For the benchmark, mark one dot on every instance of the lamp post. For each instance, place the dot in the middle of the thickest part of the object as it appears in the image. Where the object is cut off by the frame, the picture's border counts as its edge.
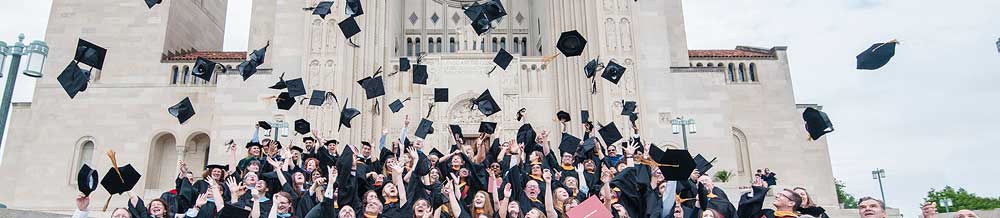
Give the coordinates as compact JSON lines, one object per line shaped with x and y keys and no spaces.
{"x":998,"y":44}
{"x":280,"y":129}
{"x":879,"y":174}
{"x":947,"y":204}
{"x":684,"y":126}
{"x":37,"y":51}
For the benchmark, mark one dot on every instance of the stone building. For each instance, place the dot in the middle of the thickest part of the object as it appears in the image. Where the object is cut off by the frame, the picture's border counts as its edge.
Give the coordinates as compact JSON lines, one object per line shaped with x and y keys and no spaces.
{"x":741,"y":99}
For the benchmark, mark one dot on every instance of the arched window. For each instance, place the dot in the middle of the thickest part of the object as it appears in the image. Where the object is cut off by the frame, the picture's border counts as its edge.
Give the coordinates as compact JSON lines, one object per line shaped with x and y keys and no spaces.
{"x":494,"y":44}
{"x":474,"y":44}
{"x":439,"y":44}
{"x":730,"y":73}
{"x":482,"y":45}
{"x":174,"y":74}
{"x":698,"y":65}
{"x":743,"y":73}
{"x":430,"y":45}
{"x":753,"y":72}
{"x":86,"y":155}
{"x":162,"y":163}
{"x":416,"y":46}
{"x":452,"y":45}
{"x":187,"y":71}
{"x":503,"y":43}
{"x":524,"y":46}
{"x":409,"y":46}
{"x":517,"y":45}
{"x":711,"y":65}
{"x":743,"y":152}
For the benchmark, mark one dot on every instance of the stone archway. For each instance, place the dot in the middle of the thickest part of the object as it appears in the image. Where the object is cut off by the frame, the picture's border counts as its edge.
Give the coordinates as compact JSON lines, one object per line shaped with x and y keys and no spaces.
{"x":161,"y":168}
{"x":196,"y":151}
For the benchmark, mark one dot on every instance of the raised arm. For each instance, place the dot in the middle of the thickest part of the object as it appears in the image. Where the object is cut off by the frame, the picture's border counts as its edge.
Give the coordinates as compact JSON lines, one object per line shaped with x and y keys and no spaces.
{"x":216,"y":195}
{"x":481,"y":145}
{"x":278,"y":170}
{"x":456,"y":207}
{"x":255,"y":197}
{"x":231,"y":148}
{"x":397,"y":179}
{"x":505,"y":201}
{"x":402,"y":131}
{"x":550,"y":208}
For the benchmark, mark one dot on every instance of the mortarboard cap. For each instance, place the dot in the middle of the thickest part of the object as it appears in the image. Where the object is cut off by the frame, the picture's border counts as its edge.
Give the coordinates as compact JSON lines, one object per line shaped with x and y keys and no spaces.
{"x":90,"y":54}
{"x":318,"y":98}
{"x":252,"y":144}
{"x":590,"y":208}
{"x":440,"y":94}
{"x":526,"y":134}
{"x":584,"y":116}
{"x":285,"y":101}
{"x":486,"y":104}
{"x":302,"y":126}
{"x":297,"y":148}
{"x":247,"y":68}
{"x":322,"y":9}
{"x":610,"y":133}
{"x":374,"y":86}
{"x":494,"y":10}
{"x":113,"y":181}
{"x":86,"y":180}
{"x":503,"y":59}
{"x":73,"y":79}
{"x":590,"y":70}
{"x":349,"y":27}
{"x":569,"y":143}
{"x":628,"y":107}
{"x":817,"y":123}
{"x":404,"y":64}
{"x":258,"y":55}
{"x":347,"y":114}
{"x":203,"y":68}
{"x":230,"y":211}
{"x":217,"y":166}
{"x":676,"y":165}
{"x":397,"y":105}
{"x":354,"y":8}
{"x":702,"y":164}
{"x":487,"y":127}
{"x":586,"y":150}
{"x":876,"y":56}
{"x":455,"y":129}
{"x":425,"y":127}
{"x":420,"y":74}
{"x":434,"y":151}
{"x":280,"y":84}
{"x":477,"y":14}
{"x":613,"y":72}
{"x":296,"y":87}
{"x":563,"y":116}
{"x":633,"y":117}
{"x":571,"y":43}
{"x":264,"y":124}
{"x":151,"y":3}
{"x":182,"y":110}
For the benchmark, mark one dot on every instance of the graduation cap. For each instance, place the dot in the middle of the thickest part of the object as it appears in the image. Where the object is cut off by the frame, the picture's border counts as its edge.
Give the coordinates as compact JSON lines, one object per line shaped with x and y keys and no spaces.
{"x":318,"y":97}
{"x":350,"y":28}
{"x":285,"y":101}
{"x":322,"y":9}
{"x":281,"y":83}
{"x":486,"y":104}
{"x":90,"y":54}
{"x":264,"y":125}
{"x":877,"y":55}
{"x":526,"y":134}
{"x":569,"y":143}
{"x":86,"y":180}
{"x":479,"y":20}
{"x":613,"y":72}
{"x":249,"y":67}
{"x":590,"y":208}
{"x":610,"y":133}
{"x":440,"y":94}
{"x":203,"y":68}
{"x":590,"y":70}
{"x":217,"y":166}
{"x":702,"y":164}
{"x":302,"y":126}
{"x":584,"y":116}
{"x":182,"y":110}
{"x":373,"y":86}
{"x":354,"y":8}
{"x":571,"y":43}
{"x":434,"y":151}
{"x":487,"y":127}
{"x":119,"y":179}
{"x":424,"y":128}
{"x":397,"y":105}
{"x":230,"y":211}
{"x":73,"y":79}
{"x":151,"y":3}
{"x":494,"y":10}
{"x":817,"y":123}
{"x":628,"y":107}
{"x":404,"y":64}
{"x":633,"y":117}
{"x":502,"y":59}
{"x":563,"y":116}
{"x":296,"y":87}
{"x":676,"y":165}
{"x":455,"y":129}
{"x":297,"y":148}
{"x":420,"y":74}
{"x":586,"y":150}
{"x":252,"y":144}
{"x":347,"y":114}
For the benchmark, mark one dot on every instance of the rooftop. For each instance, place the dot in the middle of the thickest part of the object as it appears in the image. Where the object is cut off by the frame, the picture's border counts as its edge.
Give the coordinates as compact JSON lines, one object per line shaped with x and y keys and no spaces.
{"x":739,"y":52}
{"x":211,"y":55}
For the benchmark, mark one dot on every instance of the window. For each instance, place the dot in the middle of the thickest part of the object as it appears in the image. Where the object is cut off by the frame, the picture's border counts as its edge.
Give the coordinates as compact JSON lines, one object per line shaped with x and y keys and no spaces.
{"x":743,"y":73}
{"x":517,"y":45}
{"x":482,"y":45}
{"x":439,"y":44}
{"x":743,"y":152}
{"x":187,"y":71}
{"x":494,"y":45}
{"x":409,"y":46}
{"x":503,"y":43}
{"x":174,"y":75}
{"x":698,"y":65}
{"x":430,"y":45}
{"x":416,"y":47}
{"x":452,"y":45}
{"x":524,"y":46}
{"x":753,"y":72}
{"x":86,"y":154}
{"x":730,"y":74}
{"x":711,"y":65}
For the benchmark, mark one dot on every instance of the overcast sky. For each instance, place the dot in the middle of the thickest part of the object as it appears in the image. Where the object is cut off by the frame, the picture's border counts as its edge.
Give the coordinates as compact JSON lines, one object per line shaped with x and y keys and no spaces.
{"x":925,"y":118}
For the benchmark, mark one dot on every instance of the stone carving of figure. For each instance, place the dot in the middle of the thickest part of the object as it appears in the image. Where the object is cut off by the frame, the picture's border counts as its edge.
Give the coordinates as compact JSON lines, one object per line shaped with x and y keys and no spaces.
{"x":316,"y":36}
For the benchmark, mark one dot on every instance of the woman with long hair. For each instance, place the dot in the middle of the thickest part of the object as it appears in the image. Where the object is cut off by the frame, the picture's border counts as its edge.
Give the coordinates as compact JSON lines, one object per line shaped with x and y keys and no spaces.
{"x":808,"y":206}
{"x":481,"y":205}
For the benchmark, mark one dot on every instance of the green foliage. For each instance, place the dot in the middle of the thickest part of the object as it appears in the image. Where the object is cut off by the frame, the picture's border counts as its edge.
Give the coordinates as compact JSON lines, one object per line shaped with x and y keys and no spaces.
{"x":722,"y":176}
{"x":845,"y":199}
{"x":961,"y":199}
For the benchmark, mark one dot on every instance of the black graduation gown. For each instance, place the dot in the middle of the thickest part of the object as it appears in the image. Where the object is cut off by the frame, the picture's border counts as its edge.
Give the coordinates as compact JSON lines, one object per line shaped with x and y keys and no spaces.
{"x":246,"y":200}
{"x":636,"y":195}
{"x":816,"y":211}
{"x":348,"y":185}
{"x":325,"y":209}
{"x":751,"y":206}
{"x":687,"y":190}
{"x":720,"y":203}
{"x":187,"y":194}
{"x":138,"y":210}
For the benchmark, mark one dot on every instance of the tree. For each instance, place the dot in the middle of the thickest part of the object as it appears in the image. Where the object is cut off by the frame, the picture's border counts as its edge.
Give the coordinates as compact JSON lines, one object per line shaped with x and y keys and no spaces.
{"x":723,"y":176}
{"x":962,"y":199}
{"x":846,"y":199}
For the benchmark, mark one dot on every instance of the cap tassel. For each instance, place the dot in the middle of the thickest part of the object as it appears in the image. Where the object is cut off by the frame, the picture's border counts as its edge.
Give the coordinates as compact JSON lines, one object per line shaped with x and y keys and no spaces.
{"x":491,"y":71}
{"x":375,"y":107}
{"x":352,"y":44}
{"x":330,"y":94}
{"x":429,"y":110}
{"x":550,"y":57}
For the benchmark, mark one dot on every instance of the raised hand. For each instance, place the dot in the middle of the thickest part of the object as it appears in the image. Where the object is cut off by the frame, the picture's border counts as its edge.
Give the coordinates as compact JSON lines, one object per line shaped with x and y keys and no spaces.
{"x":82,"y":202}
{"x":630,"y":149}
{"x":236,"y":188}
{"x":331,"y":172}
{"x":202,"y":199}
{"x":406,"y":121}
{"x":274,"y":163}
{"x":547,"y":175}
{"x":758,"y":182}
{"x":255,"y":194}
{"x":397,"y":168}
{"x":506,"y":191}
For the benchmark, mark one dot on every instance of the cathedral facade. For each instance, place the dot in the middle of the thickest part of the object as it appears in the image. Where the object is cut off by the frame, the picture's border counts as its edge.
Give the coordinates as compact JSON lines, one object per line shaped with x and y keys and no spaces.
{"x":741,"y":99}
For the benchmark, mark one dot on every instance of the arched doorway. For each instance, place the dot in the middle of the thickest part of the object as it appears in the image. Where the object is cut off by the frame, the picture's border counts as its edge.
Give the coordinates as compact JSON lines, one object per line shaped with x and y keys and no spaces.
{"x":196,"y":151}
{"x":162,"y":165}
